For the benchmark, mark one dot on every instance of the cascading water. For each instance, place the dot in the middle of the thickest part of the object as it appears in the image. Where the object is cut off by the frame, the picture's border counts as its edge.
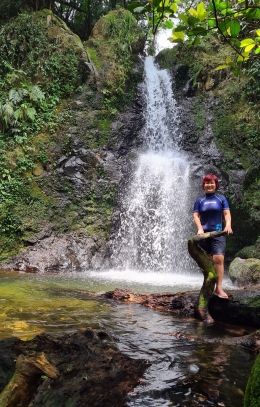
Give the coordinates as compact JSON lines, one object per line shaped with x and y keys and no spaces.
{"x":155,"y":218}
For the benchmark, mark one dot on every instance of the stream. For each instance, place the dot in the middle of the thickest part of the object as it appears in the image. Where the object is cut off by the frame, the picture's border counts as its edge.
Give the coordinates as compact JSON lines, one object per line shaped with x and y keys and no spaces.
{"x":181,"y":373}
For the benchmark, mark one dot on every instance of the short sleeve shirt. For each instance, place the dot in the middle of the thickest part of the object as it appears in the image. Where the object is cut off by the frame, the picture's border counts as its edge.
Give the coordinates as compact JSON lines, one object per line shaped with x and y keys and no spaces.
{"x":210,"y":209}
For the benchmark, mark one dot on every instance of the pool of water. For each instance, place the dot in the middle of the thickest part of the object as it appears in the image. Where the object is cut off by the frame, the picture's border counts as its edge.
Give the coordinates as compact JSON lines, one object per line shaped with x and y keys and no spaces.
{"x":181,"y":372}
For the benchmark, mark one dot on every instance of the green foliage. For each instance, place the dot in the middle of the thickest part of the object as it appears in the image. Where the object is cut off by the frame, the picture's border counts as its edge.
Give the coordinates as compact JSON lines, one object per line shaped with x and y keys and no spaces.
{"x":121,"y":39}
{"x":252,"y":88}
{"x":20,"y":107}
{"x":231,"y":21}
{"x":27,"y":52}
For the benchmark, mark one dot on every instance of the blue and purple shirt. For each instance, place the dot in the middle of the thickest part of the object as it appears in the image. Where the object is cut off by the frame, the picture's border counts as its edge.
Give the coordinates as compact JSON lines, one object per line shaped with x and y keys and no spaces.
{"x":210,"y":208}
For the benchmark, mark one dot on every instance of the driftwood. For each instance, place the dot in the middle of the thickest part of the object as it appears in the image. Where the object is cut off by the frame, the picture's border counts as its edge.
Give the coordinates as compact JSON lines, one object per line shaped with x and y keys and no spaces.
{"x":210,"y":276}
{"x":24,"y":383}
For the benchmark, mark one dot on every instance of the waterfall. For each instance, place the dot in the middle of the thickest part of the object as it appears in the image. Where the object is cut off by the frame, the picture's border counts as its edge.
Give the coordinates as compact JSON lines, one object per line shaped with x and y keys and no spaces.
{"x":155,"y":208}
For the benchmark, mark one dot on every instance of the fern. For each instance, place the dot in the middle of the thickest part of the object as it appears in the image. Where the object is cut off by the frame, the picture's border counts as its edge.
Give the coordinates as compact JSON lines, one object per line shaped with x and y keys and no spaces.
{"x":31,"y":113}
{"x":36,"y":94}
{"x":15,"y":96}
{"x":8,"y":111}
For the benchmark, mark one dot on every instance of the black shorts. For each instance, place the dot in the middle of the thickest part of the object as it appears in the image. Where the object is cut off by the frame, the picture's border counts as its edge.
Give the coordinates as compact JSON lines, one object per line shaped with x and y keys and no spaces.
{"x":214,"y":245}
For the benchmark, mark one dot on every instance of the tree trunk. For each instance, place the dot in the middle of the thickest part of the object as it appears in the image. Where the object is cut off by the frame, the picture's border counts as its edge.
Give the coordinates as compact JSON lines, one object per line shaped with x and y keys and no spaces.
{"x":210,"y":276}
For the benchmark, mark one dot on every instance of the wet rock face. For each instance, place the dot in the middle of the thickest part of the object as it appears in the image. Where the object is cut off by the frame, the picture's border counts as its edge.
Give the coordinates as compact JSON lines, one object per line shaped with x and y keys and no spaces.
{"x":86,"y":180}
{"x":56,"y":254}
{"x":92,"y":371}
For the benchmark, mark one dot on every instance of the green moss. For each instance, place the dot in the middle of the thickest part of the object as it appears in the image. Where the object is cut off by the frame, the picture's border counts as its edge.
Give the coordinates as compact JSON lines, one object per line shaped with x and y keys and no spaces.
{"x":93,"y":56}
{"x":252,"y":394}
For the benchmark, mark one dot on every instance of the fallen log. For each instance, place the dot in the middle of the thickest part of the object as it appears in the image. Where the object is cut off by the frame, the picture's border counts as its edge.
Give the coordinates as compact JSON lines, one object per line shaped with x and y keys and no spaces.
{"x":23,"y":385}
{"x":210,"y":276}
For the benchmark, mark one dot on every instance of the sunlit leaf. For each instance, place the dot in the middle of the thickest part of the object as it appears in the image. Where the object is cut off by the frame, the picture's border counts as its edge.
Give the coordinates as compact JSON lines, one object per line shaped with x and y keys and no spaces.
{"x":258,"y":32}
{"x":221,"y":67}
{"x":174,"y":7}
{"x":245,"y":55}
{"x":247,"y":41}
{"x":257,"y":51}
{"x":240,"y":58}
{"x":193,"y":12}
{"x":228,"y":60}
{"x":249,"y":47}
{"x":201,"y":12}
{"x":179,"y":36}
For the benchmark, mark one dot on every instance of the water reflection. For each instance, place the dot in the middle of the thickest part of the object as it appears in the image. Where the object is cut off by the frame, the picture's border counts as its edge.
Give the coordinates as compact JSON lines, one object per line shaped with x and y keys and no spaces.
{"x":181,"y":372}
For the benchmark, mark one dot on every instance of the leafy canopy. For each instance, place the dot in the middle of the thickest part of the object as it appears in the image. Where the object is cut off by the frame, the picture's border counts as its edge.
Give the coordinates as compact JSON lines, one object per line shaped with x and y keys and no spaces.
{"x":235,"y":22}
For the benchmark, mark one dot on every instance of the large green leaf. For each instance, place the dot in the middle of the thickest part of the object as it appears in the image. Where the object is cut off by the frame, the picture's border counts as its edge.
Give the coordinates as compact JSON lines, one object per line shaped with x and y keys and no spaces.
{"x":199,"y":31}
{"x":192,"y":20}
{"x":212,"y":23}
{"x":234,"y":28}
{"x":183,"y":17}
{"x":223,"y":5}
{"x":181,"y":28}
{"x":169,"y":24}
{"x":224,"y":26}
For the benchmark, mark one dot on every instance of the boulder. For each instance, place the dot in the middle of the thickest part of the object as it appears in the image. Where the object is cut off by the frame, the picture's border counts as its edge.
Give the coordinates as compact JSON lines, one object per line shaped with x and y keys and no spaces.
{"x":245,"y":272}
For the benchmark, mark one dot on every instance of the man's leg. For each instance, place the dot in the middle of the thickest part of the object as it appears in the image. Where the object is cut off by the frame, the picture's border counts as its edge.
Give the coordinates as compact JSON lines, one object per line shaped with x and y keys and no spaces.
{"x":218,"y":263}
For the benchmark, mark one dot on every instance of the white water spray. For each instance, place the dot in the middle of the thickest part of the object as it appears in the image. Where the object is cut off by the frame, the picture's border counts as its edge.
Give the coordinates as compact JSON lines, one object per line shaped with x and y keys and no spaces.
{"x":155,"y":218}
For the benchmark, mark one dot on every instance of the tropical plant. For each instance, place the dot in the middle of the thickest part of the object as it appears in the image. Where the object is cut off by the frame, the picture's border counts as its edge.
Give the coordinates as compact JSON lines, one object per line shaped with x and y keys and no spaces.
{"x":20,"y":106}
{"x":234,"y":22}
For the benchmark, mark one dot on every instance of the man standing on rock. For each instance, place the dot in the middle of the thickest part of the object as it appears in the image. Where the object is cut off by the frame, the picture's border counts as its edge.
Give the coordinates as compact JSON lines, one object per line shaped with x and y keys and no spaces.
{"x":207,"y":215}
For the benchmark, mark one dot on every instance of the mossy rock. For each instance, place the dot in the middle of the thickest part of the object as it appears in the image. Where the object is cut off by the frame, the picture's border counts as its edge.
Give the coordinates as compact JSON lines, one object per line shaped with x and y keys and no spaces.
{"x":245,"y":272}
{"x":252,"y":394}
